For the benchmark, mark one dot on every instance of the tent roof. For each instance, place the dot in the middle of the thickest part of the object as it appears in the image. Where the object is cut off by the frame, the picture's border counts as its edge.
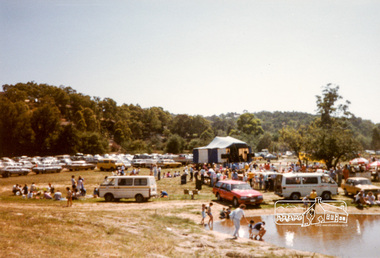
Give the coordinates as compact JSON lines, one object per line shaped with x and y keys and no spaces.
{"x":222,"y":142}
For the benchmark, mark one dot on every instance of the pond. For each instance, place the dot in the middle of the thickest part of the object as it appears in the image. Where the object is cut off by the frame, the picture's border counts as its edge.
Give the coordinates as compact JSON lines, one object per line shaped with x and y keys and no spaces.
{"x":360,"y":237}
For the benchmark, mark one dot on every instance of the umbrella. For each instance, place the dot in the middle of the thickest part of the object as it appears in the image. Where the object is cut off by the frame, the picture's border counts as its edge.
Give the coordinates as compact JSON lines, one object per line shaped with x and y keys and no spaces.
{"x":359,"y":161}
{"x":375,"y":164}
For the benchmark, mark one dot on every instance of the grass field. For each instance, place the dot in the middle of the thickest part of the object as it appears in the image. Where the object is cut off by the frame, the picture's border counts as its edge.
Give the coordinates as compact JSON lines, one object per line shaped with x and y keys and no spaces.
{"x":166,"y":227}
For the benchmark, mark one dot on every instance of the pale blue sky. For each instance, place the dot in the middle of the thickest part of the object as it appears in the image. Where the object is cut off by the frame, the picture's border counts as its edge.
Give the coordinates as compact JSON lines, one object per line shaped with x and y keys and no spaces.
{"x":198,"y":57}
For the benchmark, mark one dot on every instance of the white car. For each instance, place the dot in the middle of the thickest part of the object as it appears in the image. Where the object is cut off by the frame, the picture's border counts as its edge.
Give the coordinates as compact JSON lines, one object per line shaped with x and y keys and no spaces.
{"x":14,"y":170}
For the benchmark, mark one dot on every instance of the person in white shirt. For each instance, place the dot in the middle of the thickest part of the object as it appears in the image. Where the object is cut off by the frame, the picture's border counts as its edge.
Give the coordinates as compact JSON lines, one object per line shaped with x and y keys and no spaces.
{"x":236,"y":216}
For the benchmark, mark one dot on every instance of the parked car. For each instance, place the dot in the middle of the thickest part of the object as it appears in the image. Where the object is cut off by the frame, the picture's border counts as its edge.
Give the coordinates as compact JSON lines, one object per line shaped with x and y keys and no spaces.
{"x":44,"y":168}
{"x":7,"y":171}
{"x":109,"y":164}
{"x":81,"y":165}
{"x":143,"y":163}
{"x":354,"y":185}
{"x":168,"y":163}
{"x":115,"y":188}
{"x":297,"y":185}
{"x":184,"y":158}
{"x":237,"y":191}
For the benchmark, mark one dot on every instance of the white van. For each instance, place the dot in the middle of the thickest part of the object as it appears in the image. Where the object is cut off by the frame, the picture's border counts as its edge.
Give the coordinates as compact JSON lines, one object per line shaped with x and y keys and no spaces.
{"x":296,"y":185}
{"x":115,"y":188}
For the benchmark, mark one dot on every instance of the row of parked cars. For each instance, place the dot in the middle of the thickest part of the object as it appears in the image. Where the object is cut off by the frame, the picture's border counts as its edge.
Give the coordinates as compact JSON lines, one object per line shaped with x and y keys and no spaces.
{"x":107,"y":162}
{"x":292,"y":186}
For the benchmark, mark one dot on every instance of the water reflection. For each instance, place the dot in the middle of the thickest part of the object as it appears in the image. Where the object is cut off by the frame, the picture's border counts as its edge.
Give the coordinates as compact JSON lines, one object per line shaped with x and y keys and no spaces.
{"x":358,"y":238}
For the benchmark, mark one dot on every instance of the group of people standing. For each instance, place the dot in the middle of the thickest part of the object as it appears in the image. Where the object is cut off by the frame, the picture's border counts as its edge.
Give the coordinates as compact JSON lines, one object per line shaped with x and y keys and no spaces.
{"x":255,"y":229}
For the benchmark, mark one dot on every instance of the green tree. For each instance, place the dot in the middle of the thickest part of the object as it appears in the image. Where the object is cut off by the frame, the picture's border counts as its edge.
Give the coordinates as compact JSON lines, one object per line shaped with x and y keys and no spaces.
{"x":45,"y":124}
{"x":375,"y":143}
{"x":249,"y":124}
{"x":294,"y":140}
{"x":329,"y":136}
{"x":207,"y":136}
{"x":16,"y":134}
{"x":265,"y":141}
{"x":174,"y":144}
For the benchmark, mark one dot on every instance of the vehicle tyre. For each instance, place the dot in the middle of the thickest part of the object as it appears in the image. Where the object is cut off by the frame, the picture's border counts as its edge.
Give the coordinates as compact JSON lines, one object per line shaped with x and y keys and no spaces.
{"x":101,"y":169}
{"x":218,"y":197}
{"x":235,"y":202}
{"x":25,"y":173}
{"x":108,"y":197}
{"x":139,"y":198}
{"x":345,"y":192}
{"x":326,"y":195}
{"x":4,"y":175}
{"x":295,"y":196}
{"x":70,"y":169}
{"x":37,"y":172}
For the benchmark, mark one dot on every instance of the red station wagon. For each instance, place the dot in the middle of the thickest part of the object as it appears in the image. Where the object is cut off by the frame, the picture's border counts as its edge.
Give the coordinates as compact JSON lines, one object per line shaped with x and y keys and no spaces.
{"x":237,"y":191}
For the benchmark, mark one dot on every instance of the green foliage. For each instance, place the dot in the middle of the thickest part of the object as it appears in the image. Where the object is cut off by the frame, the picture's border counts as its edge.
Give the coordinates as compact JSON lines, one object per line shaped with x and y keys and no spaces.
{"x":265,"y":142}
{"x":174,"y":144}
{"x":92,"y":143}
{"x":249,"y":124}
{"x":134,"y":146}
{"x":375,"y":143}
{"x":40,"y":119}
{"x":294,"y":140}
{"x":330,"y":138}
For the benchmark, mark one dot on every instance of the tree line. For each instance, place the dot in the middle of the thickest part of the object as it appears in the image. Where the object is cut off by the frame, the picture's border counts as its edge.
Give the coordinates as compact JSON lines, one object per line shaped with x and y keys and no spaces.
{"x":41,"y":119}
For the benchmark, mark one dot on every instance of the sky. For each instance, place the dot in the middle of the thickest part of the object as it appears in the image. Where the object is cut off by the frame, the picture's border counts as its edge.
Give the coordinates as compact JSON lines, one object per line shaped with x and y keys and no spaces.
{"x":198,"y":57}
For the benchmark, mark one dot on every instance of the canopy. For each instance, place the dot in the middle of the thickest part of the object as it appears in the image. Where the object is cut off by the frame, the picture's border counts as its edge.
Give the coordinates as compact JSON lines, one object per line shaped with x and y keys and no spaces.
{"x":223,"y":142}
{"x":359,"y":161}
{"x":375,"y":164}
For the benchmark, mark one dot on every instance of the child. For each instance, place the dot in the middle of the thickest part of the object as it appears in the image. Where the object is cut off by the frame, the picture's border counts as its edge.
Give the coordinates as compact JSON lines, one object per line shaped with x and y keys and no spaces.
{"x":250,"y":226}
{"x":203,"y":214}
{"x":69,"y":197}
{"x":211,"y":218}
{"x":305,"y":201}
{"x":222,"y":214}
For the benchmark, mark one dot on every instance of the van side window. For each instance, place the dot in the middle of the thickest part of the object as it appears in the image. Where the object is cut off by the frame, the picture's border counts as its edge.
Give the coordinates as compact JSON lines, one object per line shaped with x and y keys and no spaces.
{"x":125,"y":181}
{"x":106,"y":161}
{"x":293,"y":181}
{"x":141,"y":181}
{"x":310,"y":180}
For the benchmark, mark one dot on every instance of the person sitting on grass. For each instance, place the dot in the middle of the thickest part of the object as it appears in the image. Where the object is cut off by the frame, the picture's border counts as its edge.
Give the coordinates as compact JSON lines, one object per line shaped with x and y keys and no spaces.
{"x":370,"y":199}
{"x":16,"y":188}
{"x":359,"y":199}
{"x":259,"y":230}
{"x":57,"y":195}
{"x":47,"y":195}
{"x":164,"y":194}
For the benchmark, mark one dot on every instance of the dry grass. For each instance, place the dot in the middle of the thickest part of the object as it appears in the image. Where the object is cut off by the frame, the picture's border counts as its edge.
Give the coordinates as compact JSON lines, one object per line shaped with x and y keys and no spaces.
{"x":160,"y":228}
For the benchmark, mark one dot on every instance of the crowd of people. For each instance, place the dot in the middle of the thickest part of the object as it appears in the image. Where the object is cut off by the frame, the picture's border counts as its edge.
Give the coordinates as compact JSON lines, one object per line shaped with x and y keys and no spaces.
{"x":76,"y":191}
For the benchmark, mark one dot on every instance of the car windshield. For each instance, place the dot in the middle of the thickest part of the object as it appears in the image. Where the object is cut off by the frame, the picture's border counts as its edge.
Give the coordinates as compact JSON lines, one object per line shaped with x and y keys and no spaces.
{"x":241,"y":187}
{"x":362,"y":182}
{"x":108,"y":181}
